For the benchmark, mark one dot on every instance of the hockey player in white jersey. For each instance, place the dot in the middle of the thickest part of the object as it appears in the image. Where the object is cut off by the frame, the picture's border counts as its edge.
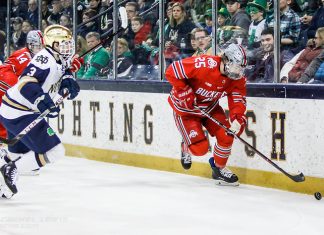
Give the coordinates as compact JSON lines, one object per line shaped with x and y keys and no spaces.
{"x":46,"y":76}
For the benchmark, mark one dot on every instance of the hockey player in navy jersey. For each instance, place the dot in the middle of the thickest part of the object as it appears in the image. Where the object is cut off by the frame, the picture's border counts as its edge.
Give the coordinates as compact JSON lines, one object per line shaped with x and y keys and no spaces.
{"x":46,"y":76}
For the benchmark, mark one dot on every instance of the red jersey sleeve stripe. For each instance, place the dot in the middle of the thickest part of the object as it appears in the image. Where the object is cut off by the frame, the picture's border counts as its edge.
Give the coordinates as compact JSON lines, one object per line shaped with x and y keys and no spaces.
{"x":175,"y":70}
{"x":183,"y":72}
{"x":4,"y":84}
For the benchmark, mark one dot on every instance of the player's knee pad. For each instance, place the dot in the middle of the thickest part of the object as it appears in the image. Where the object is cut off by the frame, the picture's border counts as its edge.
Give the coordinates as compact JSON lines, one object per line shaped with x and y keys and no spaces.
{"x":200,"y":148}
{"x":55,"y":153}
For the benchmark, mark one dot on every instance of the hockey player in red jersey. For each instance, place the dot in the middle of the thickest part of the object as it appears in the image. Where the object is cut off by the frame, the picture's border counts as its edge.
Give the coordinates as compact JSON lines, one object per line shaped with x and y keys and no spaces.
{"x":201,"y":82}
{"x":16,"y":63}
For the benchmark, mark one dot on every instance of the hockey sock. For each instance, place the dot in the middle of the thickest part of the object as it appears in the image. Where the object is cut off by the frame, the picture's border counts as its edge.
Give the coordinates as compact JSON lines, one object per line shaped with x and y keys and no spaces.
{"x":221,"y":155}
{"x":30,"y":161}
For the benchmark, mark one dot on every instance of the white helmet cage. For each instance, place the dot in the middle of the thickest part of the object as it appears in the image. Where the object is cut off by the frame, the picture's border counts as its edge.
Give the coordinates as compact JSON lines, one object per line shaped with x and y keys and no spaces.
{"x":35,"y":41}
{"x":235,"y":61}
{"x":59,"y":38}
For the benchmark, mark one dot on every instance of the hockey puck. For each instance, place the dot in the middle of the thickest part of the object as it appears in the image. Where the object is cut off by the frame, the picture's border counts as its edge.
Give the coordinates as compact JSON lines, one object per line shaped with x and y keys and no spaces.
{"x":318,"y":195}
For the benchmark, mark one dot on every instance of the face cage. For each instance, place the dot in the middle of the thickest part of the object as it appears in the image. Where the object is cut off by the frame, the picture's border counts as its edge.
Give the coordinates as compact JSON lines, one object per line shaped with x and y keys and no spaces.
{"x":35,"y":48}
{"x":66,"y":52}
{"x":234,"y":71}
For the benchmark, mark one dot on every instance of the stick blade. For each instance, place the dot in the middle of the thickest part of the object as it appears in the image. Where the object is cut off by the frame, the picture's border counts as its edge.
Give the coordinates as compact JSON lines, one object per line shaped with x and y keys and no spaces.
{"x":298,"y":178}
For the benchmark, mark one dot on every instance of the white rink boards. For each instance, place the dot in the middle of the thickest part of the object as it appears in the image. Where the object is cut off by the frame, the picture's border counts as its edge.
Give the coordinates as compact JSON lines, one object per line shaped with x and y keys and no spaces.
{"x":129,"y":125}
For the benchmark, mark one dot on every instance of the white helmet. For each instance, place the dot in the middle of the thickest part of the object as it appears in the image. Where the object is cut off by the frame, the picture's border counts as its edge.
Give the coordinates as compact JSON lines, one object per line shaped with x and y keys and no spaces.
{"x":235,"y":60}
{"x":35,"y":41}
{"x":59,"y":38}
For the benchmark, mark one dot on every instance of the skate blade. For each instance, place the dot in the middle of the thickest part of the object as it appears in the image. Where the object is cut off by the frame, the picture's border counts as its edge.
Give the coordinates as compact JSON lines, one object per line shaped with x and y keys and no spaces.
{"x":5,"y":187}
{"x":5,"y":192}
{"x":223,"y":183}
{"x":29,"y":173}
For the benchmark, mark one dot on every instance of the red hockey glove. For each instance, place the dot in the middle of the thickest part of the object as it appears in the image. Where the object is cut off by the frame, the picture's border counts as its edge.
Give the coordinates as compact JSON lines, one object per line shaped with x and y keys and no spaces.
{"x":238,"y":123}
{"x":76,"y":63}
{"x":185,"y":98}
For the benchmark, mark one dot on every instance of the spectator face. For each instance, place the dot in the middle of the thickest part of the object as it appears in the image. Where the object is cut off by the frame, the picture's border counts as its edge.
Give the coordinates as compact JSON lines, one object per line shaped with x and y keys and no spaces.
{"x":267,"y":42}
{"x":16,"y":2}
{"x":149,"y":41}
{"x":57,"y":6}
{"x":193,"y":43}
{"x":64,"y":21}
{"x":32,"y":5}
{"x":202,"y":40}
{"x":169,"y":12}
{"x":66,"y":3}
{"x":283,"y":4}
{"x":177,"y":13}
{"x":121,"y":49}
{"x":93,"y":4}
{"x":221,"y":20}
{"x":92,"y":42}
{"x":319,"y":41}
{"x":256,"y":14}
{"x":130,"y":10}
{"x":136,"y":26}
{"x":232,"y":7}
{"x":208,"y":21}
{"x":26,"y":27}
{"x":17,"y":26}
{"x":86,"y":18}
{"x":44,"y":6}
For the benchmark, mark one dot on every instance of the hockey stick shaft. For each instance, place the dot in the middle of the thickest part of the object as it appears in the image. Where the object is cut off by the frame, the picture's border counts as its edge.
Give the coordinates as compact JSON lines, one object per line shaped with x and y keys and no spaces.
{"x":297,"y":178}
{"x":31,"y":125}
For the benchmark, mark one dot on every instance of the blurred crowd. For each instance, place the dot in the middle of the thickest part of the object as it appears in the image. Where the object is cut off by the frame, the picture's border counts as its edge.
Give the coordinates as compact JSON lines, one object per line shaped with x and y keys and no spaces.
{"x":187,"y":32}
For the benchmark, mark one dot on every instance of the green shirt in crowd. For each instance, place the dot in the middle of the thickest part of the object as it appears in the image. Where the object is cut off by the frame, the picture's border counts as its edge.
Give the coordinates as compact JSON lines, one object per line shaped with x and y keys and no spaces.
{"x":93,"y":63}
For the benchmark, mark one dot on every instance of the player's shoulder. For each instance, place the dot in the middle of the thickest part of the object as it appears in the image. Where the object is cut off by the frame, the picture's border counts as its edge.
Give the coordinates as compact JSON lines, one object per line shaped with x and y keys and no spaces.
{"x":20,"y":52}
{"x":43,"y":59}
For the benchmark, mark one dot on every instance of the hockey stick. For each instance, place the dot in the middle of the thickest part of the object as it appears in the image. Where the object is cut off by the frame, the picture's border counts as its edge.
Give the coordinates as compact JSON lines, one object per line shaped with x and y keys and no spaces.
{"x":124,"y":24}
{"x":31,"y":125}
{"x":297,"y":178}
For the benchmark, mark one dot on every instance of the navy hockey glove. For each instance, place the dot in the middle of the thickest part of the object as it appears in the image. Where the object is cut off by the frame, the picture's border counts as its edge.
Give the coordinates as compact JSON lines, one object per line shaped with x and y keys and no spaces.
{"x":71,"y":85}
{"x":45,"y":103}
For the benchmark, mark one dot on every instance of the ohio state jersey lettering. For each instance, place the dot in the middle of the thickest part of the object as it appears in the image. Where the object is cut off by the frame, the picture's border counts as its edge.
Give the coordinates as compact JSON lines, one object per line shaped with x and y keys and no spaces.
{"x":203,"y":75}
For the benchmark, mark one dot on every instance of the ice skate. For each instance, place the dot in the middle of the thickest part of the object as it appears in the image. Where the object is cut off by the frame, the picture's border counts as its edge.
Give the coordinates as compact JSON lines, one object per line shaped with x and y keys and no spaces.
{"x":185,"y":156}
{"x":5,"y":192}
{"x":8,"y":178}
{"x":223,"y":176}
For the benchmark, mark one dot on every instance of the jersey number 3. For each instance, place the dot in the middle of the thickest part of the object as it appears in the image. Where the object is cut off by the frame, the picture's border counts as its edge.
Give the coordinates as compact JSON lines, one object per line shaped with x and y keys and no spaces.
{"x":32,"y":71}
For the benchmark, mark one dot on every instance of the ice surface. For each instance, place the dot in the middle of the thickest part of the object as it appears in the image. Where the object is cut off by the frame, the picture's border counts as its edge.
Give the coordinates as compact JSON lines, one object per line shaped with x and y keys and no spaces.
{"x":79,"y":196}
